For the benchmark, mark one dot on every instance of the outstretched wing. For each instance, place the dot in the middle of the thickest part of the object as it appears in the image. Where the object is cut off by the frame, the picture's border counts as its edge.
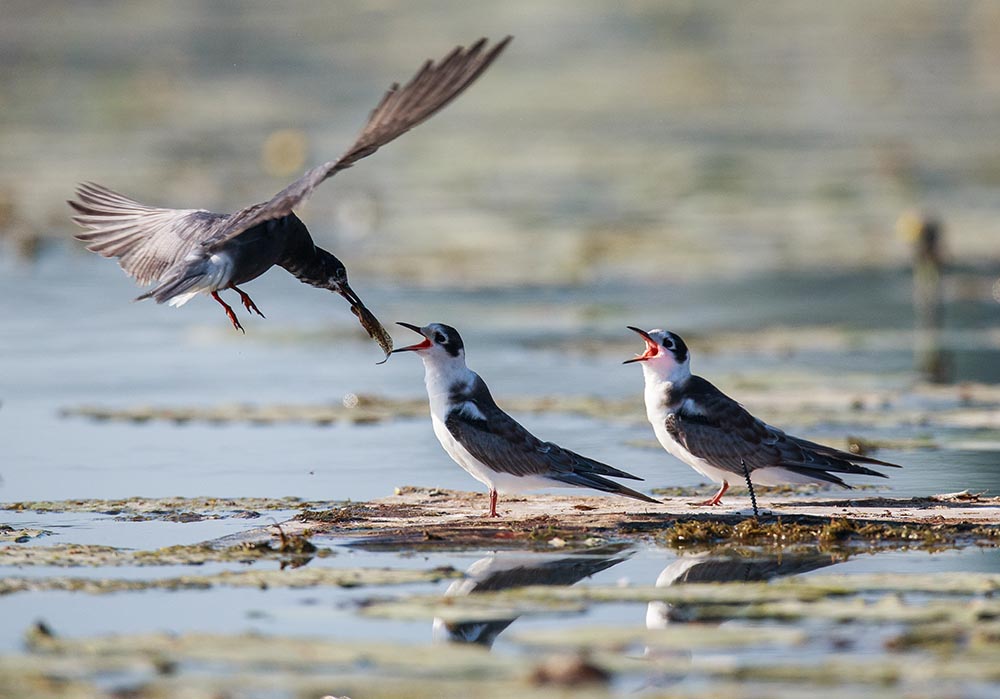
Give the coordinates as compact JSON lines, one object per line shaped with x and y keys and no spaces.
{"x":719,"y":430}
{"x":433,"y":87}
{"x":146,"y":240}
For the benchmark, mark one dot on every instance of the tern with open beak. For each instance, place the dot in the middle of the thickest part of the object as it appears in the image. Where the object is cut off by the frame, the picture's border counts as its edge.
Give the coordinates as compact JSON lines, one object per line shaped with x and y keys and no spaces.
{"x":486,"y":441}
{"x":718,"y":438}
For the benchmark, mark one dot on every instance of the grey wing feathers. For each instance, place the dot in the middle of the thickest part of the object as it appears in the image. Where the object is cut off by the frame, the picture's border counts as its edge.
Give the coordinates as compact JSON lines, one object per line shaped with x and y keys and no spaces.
{"x":145,"y":239}
{"x":502,"y":443}
{"x":431,"y":89}
{"x":723,"y":433}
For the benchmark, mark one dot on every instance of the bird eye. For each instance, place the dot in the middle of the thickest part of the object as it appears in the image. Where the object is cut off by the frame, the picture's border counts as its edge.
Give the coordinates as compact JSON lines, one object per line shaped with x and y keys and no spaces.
{"x":439,"y":338}
{"x":668,"y":344}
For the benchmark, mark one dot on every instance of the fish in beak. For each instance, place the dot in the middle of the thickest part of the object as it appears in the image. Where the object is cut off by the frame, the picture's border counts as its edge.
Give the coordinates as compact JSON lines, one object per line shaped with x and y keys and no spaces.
{"x":367,"y":319}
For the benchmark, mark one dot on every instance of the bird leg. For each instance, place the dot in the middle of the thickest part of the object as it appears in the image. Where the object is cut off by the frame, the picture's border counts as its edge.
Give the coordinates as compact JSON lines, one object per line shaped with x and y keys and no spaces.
{"x":753,"y":496}
{"x":715,"y":499}
{"x":229,"y":312}
{"x":493,"y":503}
{"x":247,"y":301}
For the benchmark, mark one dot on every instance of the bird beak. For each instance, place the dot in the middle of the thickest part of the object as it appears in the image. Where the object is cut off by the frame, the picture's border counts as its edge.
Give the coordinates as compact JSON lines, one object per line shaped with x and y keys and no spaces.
{"x":367,"y":319}
{"x":347,"y":292}
{"x":426,"y":344}
{"x":652,"y":349}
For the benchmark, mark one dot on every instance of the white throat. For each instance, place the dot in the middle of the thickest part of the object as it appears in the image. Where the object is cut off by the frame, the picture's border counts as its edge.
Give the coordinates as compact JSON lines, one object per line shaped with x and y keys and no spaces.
{"x":665,"y":373}
{"x":440,"y":375}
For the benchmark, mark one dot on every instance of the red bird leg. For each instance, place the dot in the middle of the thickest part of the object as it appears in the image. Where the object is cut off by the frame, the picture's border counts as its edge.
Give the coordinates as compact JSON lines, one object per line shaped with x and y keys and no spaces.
{"x":715,"y":499}
{"x":247,"y":301}
{"x":229,"y":312}
{"x":493,"y":503}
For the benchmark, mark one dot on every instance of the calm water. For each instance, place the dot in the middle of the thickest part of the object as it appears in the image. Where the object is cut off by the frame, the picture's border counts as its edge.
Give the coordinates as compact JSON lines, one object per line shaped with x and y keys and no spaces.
{"x":663,"y":164}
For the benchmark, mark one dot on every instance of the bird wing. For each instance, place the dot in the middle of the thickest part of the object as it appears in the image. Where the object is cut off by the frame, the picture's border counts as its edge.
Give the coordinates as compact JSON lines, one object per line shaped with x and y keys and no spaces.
{"x":146,"y":240}
{"x":499,"y":441}
{"x":720,"y":431}
{"x":714,"y":427}
{"x":433,"y":87}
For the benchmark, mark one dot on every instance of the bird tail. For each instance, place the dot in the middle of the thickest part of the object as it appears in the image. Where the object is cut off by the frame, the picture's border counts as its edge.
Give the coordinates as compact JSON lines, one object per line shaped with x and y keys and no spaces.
{"x":188,"y":279}
{"x":840,"y":455}
{"x":592,"y":480}
{"x":176,"y":291}
{"x":585,"y":463}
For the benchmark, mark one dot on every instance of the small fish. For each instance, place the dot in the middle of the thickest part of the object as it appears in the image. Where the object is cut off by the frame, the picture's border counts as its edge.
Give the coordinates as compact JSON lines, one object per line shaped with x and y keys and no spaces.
{"x":374,"y":328}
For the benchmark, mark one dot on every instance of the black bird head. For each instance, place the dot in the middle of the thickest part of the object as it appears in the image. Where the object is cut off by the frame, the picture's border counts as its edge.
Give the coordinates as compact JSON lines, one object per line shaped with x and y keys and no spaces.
{"x":330,"y":273}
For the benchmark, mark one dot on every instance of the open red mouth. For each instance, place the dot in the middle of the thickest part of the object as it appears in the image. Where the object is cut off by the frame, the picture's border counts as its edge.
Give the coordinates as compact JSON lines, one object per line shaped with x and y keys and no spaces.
{"x":426,"y":344}
{"x":652,"y":348}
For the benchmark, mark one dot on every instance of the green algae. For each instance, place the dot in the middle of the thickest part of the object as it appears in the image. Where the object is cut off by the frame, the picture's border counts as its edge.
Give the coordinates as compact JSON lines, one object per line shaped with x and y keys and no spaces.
{"x":828,"y":534}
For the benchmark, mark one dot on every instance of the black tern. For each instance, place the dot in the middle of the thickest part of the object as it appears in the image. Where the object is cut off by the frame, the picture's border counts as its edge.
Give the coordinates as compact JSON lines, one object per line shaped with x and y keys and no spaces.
{"x":191,"y":251}
{"x":718,"y":438}
{"x":486,"y":441}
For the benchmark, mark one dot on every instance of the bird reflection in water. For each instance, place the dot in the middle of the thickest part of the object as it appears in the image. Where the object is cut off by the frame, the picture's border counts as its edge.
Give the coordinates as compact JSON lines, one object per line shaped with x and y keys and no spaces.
{"x":714,"y":567}
{"x":501,"y":571}
{"x":709,"y":567}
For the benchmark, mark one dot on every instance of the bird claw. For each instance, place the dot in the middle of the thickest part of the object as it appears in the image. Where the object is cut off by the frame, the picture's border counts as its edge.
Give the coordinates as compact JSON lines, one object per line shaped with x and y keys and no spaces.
{"x":229,"y":312}
{"x":715,"y":499}
{"x":247,"y":302}
{"x":236,"y":322}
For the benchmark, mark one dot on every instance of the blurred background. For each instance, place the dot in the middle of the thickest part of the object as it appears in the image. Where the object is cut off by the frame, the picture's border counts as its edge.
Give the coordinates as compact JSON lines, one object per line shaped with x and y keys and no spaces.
{"x":808,"y":192}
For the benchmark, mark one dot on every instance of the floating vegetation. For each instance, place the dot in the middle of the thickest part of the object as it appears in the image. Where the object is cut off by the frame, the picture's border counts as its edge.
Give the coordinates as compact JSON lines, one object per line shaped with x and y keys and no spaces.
{"x":953,"y":615}
{"x":261,"y":579}
{"x":415,"y":518}
{"x":354,"y":408}
{"x":77,"y":555}
{"x":833,"y":597}
{"x":834,"y":533}
{"x":171,"y":509}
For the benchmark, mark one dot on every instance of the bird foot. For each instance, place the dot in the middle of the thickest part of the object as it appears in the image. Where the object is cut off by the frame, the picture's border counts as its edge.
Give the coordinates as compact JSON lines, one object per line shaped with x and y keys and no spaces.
{"x":711,"y":502}
{"x":715,"y":499}
{"x":230,"y":313}
{"x":248,"y":302}
{"x":235,"y":321}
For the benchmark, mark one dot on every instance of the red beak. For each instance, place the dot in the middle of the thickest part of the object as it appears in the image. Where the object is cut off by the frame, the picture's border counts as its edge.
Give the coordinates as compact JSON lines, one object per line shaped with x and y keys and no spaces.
{"x":652,"y":348}
{"x":426,"y":344}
